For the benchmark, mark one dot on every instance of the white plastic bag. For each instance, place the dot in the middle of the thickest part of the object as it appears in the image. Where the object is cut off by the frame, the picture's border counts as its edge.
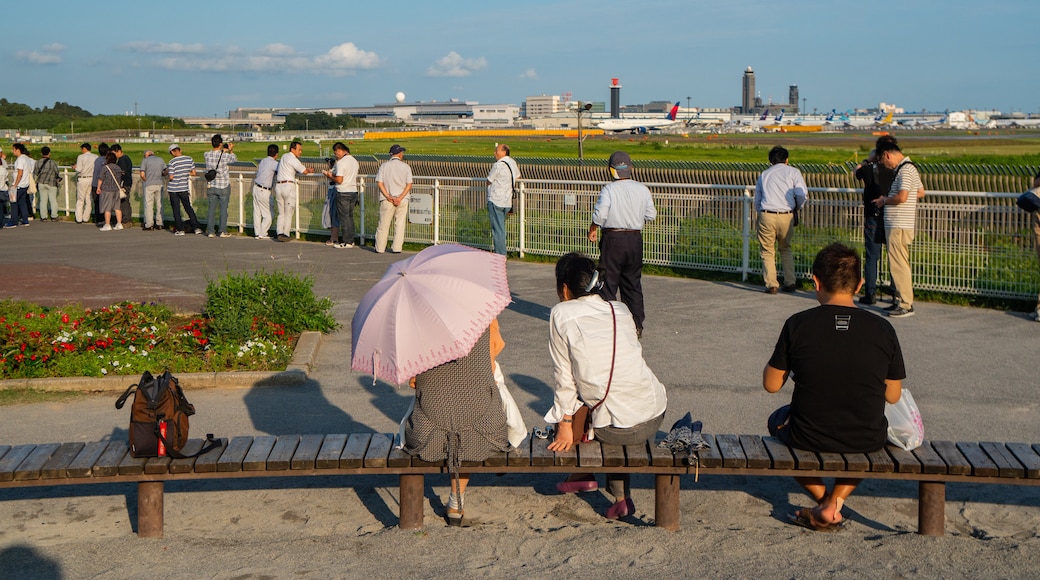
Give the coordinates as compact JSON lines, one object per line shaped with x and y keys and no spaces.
{"x":905,"y":427}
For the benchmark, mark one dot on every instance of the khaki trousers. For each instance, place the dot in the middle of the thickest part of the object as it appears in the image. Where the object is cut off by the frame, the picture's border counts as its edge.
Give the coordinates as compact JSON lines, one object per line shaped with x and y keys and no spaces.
{"x":399,"y":216}
{"x":776,"y":228}
{"x":899,"y":241}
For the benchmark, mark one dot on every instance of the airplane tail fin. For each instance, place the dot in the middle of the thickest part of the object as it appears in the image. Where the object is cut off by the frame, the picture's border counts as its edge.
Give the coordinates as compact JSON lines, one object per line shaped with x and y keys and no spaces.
{"x":674,"y":112}
{"x":765,"y":115}
{"x":780,"y":117}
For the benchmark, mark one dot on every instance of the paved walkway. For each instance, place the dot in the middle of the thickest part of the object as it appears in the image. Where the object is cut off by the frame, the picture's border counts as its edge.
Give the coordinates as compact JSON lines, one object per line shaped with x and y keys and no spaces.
{"x":970,"y":369}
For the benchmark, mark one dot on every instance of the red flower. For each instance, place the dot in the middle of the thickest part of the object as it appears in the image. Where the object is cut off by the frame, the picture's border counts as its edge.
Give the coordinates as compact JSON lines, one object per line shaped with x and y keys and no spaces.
{"x":65,"y":318}
{"x":28,"y":314}
{"x":203,"y":341}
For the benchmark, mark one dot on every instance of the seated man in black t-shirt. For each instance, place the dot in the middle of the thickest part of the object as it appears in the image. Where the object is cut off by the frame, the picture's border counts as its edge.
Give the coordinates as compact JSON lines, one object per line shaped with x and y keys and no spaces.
{"x":846,"y":365}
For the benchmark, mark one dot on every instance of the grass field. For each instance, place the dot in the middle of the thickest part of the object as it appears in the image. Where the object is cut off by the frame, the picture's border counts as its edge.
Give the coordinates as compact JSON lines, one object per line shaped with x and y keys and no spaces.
{"x":1004,"y":148}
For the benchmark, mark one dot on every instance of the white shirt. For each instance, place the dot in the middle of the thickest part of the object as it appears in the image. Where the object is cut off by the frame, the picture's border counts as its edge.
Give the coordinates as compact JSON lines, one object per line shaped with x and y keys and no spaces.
{"x":904,"y":215}
{"x":26,"y":164}
{"x":780,"y":188}
{"x":3,"y":175}
{"x":501,"y":180}
{"x":265,"y":172}
{"x":395,"y":175}
{"x":580,"y":343}
{"x":289,"y":166}
{"x":347,"y":167}
{"x":85,"y":165}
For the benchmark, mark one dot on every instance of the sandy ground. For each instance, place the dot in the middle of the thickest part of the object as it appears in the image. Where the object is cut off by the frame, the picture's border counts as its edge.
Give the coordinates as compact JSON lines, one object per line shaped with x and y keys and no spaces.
{"x":707,"y":342}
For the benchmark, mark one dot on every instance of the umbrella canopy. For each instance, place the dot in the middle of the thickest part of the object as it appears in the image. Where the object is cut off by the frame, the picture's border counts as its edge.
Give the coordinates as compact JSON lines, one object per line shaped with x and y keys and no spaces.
{"x":427,"y":310}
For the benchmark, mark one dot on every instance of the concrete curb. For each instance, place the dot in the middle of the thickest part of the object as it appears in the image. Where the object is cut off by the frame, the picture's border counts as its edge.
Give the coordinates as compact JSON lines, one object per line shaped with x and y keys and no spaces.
{"x":295,"y":373}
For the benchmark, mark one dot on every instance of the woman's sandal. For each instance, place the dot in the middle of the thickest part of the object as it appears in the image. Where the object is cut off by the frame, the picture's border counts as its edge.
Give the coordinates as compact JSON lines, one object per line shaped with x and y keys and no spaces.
{"x":454,"y":517}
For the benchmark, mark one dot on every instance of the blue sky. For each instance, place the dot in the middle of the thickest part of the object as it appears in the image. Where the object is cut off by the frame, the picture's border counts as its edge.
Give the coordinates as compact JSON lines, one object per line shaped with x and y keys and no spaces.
{"x":208,"y":58}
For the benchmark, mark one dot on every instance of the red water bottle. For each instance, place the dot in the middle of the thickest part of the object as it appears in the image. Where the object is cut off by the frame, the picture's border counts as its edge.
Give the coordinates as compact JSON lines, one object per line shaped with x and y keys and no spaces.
{"x":162,"y":437}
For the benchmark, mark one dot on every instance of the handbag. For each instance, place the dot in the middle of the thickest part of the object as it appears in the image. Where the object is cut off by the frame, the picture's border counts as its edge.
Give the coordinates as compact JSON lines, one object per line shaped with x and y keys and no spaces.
{"x":583,"y":416}
{"x":905,"y":427}
{"x":326,"y":218}
{"x":212,"y":173}
{"x":122,"y":190}
{"x":33,"y":189}
{"x":159,"y":417}
{"x":1030,"y":200}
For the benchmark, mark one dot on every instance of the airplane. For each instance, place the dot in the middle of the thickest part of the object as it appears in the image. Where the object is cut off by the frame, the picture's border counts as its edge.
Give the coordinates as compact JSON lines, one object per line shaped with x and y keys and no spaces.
{"x":876,"y":122}
{"x":776,"y":123}
{"x":642,"y":125}
{"x":920,"y":123}
{"x":816,"y":122}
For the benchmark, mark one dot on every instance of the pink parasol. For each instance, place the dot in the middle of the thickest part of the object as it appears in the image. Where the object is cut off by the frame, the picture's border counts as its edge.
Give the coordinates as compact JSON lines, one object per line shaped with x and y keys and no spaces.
{"x":427,"y":310}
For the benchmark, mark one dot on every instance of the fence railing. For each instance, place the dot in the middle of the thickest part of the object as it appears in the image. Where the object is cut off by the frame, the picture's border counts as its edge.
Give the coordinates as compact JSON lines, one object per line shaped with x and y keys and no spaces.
{"x":966,"y":242}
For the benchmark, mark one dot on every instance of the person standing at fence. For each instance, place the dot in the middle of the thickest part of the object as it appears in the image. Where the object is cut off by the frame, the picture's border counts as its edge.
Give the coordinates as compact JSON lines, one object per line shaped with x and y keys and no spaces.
{"x":501,"y":184}
{"x":110,"y":186}
{"x":152,"y":170}
{"x":180,"y":169}
{"x":873,"y":226}
{"x":19,"y":190}
{"x":84,"y":176}
{"x":343,"y":195}
{"x":47,"y":180}
{"x":900,"y":221}
{"x":623,"y":206}
{"x":127,"y":165}
{"x":846,"y":363}
{"x":285,"y":188}
{"x":219,"y":191}
{"x":99,"y":163}
{"x":5,"y":196}
{"x":394,"y":179}
{"x":263,"y":185}
{"x":779,"y":194}
{"x":1034,"y":219}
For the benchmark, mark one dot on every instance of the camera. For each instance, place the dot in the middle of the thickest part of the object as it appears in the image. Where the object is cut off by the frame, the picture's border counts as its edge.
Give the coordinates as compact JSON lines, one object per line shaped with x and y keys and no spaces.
{"x":331,"y":161}
{"x":227,"y":146}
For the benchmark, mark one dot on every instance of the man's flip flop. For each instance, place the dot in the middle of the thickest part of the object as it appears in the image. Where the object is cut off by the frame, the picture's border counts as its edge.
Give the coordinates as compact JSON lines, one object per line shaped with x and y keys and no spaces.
{"x":803,"y":518}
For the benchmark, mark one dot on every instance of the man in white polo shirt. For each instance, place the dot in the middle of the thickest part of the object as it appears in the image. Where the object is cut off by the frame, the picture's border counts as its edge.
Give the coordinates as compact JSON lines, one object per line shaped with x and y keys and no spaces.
{"x":84,"y":177}
{"x":900,"y":220}
{"x":395,"y":183}
{"x":285,"y":188}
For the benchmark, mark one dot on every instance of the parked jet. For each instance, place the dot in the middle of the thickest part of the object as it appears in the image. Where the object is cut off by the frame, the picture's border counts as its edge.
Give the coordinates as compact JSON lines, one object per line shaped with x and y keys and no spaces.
{"x":642,"y":125}
{"x":878,"y":121}
{"x":829,"y":119}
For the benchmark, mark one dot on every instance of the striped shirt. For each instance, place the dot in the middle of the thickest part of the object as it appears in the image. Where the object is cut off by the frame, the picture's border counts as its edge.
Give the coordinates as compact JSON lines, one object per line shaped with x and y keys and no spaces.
{"x":219,"y":160}
{"x":904,"y":215}
{"x":179,"y":170}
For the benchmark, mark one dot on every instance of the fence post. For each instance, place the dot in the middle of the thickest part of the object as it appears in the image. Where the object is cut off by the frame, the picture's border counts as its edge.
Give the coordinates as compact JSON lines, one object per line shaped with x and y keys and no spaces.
{"x":65,"y":180}
{"x":296,"y":184}
{"x":522,"y":243}
{"x":361,"y":206}
{"x":748,"y":204}
{"x":436,"y":211}
{"x":241,"y":204}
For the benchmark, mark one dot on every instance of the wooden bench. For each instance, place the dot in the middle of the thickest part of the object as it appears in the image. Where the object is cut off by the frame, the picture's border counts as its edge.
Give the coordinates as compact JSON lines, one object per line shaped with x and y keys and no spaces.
{"x":932,"y":466}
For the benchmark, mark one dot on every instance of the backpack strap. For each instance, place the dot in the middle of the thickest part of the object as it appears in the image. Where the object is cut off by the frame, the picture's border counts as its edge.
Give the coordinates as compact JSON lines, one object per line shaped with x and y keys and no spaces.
{"x":208,"y":445}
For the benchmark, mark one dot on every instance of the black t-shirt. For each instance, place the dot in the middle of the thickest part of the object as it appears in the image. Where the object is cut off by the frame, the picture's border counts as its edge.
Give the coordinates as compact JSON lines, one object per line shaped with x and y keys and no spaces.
{"x":839,"y":358}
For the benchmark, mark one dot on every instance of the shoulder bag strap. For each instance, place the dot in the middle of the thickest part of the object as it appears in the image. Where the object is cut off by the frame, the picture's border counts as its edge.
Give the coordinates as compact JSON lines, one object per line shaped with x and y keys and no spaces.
{"x":613,"y":357}
{"x":122,"y":398}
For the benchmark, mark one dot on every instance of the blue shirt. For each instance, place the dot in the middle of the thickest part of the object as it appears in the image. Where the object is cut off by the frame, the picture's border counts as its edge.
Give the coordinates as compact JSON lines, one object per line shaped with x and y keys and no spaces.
{"x":624,"y":204}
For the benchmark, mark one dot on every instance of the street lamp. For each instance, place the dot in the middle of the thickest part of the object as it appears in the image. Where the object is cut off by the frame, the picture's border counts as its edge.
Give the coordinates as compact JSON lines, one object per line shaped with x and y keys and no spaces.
{"x":582,"y":107}
{"x":688,"y":115}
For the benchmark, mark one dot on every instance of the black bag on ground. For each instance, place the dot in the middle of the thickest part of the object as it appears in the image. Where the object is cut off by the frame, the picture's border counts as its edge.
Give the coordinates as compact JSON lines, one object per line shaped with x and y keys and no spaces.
{"x":159,"y":417}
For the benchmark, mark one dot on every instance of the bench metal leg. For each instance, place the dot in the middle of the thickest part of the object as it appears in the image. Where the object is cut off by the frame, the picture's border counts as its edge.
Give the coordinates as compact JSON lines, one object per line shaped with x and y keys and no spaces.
{"x":150,"y":509}
{"x":411,"y":516}
{"x":666,"y":502}
{"x":931,"y":508}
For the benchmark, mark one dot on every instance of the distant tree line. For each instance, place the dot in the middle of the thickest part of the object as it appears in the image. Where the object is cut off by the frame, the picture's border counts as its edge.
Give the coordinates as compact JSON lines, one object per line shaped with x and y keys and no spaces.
{"x":322,"y":121}
{"x":66,"y":118}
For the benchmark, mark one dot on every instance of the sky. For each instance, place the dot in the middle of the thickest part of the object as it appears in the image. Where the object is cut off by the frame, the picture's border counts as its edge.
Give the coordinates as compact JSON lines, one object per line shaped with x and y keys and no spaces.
{"x":187,"y":59}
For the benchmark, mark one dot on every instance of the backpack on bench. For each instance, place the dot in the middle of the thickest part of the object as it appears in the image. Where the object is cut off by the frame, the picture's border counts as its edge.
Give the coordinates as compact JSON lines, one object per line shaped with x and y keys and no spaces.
{"x":159,"y":417}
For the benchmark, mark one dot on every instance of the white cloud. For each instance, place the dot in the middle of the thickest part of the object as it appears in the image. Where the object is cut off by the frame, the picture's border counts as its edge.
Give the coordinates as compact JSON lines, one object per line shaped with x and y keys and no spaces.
{"x":47,"y":54}
{"x":347,"y":56}
{"x":275,"y":57}
{"x":529,"y":74}
{"x":454,"y":65}
{"x":165,"y":48}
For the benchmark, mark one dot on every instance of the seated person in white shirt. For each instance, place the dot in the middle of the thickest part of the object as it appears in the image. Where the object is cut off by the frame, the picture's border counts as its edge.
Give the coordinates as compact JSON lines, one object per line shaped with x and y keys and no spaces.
{"x":598,"y":368}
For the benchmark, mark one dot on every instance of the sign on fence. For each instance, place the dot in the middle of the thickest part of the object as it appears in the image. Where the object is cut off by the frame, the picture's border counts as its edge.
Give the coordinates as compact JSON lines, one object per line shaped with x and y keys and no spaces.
{"x":420,"y":208}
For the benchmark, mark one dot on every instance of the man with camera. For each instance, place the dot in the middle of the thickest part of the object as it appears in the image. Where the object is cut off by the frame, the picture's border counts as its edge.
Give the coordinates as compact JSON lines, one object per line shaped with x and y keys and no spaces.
{"x":219,"y":188}
{"x":285,"y":188}
{"x":342,"y":174}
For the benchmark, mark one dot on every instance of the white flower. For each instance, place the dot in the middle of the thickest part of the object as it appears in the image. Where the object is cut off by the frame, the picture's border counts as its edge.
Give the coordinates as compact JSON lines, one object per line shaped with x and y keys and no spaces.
{"x":90,"y":334}
{"x":144,"y":353}
{"x":115,"y":363}
{"x":104,"y":371}
{"x":132,"y":348}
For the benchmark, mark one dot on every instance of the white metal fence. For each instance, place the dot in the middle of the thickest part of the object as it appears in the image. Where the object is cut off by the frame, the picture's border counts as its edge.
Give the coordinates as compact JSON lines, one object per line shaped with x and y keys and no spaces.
{"x":966,"y":242}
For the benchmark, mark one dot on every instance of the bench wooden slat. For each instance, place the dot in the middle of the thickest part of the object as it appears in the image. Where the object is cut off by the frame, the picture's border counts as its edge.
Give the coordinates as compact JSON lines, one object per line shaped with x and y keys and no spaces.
{"x":956,"y":464}
{"x":331,"y":450}
{"x":732,"y":452}
{"x":636,"y":455}
{"x":930,"y":460}
{"x":282,"y":453}
{"x":497,"y":459}
{"x":856,"y":461}
{"x":231,"y":460}
{"x":521,"y":455}
{"x":306,"y":452}
{"x":33,"y":464}
{"x":881,"y":462}
{"x":131,"y":465}
{"x":710,"y":457}
{"x":416,"y":461}
{"x":1028,"y":457}
{"x":207,"y":462}
{"x":158,"y":465}
{"x":378,"y":450}
{"x":779,"y":453}
{"x":613,"y":455}
{"x":540,"y":454}
{"x":905,"y":461}
{"x":590,"y":454}
{"x":566,"y":458}
{"x":755,"y":451}
{"x":1007,"y":465}
{"x":805,"y":459}
{"x":398,"y":457}
{"x":3,"y":450}
{"x":83,"y":464}
{"x":61,"y":460}
{"x":108,"y":464}
{"x":354,"y":450}
{"x":832,"y":461}
{"x":187,"y":464}
{"x":661,"y":456}
{"x":259,"y":451}
{"x":981,"y":464}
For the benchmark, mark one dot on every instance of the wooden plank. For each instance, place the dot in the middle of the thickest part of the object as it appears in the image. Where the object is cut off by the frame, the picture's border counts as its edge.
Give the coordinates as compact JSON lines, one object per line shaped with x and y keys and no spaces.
{"x":904,"y":460}
{"x":540,"y":454}
{"x":661,"y":456}
{"x":131,"y":465}
{"x":259,"y":451}
{"x":636,"y":455}
{"x":108,"y":464}
{"x":157,"y":465}
{"x":1029,"y":458}
{"x":856,"y":461}
{"x":497,"y":459}
{"x":755,"y":451}
{"x":1007,"y":465}
{"x":930,"y":460}
{"x":805,"y":459}
{"x":417,"y":461}
{"x":60,"y":461}
{"x":732,"y":452}
{"x":881,"y":462}
{"x":354,"y":449}
{"x":590,"y":454}
{"x":231,"y":460}
{"x":307,"y":452}
{"x":187,"y":464}
{"x":955,"y":462}
{"x":207,"y":462}
{"x":981,"y":464}
{"x":521,"y":456}
{"x":613,"y":455}
{"x":83,"y":464}
{"x":832,"y":461}
{"x":397,"y":457}
{"x":282,"y":453}
{"x":33,"y":464}
{"x":566,"y":458}
{"x":3,"y":450}
{"x":378,"y":450}
{"x":331,"y":449}
{"x":710,"y":457}
{"x":779,"y":453}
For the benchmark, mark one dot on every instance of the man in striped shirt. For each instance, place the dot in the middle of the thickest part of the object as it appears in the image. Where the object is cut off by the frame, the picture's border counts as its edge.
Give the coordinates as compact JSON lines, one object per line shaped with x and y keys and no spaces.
{"x":180,"y":168}
{"x":900,"y":220}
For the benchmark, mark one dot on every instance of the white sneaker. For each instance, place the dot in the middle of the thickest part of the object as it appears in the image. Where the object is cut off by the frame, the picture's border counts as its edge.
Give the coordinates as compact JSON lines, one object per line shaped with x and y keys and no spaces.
{"x":344,"y":245}
{"x":225,"y":235}
{"x":106,"y":228}
{"x":198,"y":232}
{"x":211,"y":235}
{"x":118,"y":227}
{"x":178,"y":233}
